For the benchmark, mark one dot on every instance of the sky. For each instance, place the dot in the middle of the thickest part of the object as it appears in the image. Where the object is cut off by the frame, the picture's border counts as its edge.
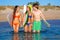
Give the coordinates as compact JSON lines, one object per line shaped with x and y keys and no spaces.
{"x":24,"y":2}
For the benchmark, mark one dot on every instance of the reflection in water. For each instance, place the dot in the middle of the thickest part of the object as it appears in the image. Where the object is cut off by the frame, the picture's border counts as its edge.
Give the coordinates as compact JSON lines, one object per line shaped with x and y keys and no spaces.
{"x":26,"y":36}
{"x":16,"y":37}
{"x":36,"y":36}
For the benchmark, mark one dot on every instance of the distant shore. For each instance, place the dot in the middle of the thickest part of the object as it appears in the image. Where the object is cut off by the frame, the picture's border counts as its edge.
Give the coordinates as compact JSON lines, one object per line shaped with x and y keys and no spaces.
{"x":50,"y":13}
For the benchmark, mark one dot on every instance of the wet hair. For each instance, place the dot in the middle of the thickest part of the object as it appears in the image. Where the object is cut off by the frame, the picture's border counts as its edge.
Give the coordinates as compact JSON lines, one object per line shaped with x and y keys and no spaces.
{"x":34,"y":4}
{"x":15,"y":8}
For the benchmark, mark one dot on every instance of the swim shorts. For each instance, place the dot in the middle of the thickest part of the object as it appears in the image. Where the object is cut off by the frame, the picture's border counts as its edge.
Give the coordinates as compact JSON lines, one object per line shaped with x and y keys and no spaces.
{"x":36,"y":25}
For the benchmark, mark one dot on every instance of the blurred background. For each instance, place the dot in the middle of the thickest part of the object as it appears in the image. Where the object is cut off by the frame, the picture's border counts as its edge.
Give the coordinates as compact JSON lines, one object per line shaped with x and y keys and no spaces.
{"x":51,"y":11}
{"x":50,"y":8}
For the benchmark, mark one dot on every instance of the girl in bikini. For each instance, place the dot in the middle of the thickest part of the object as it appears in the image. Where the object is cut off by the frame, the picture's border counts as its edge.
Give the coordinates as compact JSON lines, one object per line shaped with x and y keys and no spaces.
{"x":28,"y":26}
{"x":16,"y":19}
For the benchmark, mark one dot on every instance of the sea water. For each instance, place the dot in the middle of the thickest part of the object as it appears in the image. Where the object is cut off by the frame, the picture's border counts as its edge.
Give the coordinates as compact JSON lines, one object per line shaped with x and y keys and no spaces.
{"x":52,"y":33}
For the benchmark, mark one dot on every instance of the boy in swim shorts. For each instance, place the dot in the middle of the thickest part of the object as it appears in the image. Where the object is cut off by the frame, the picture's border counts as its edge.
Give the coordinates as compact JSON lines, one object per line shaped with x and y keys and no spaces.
{"x":37,"y":14}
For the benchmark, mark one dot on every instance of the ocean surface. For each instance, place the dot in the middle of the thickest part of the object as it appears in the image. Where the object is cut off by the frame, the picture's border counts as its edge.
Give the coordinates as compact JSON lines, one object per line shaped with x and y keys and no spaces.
{"x":52,"y":33}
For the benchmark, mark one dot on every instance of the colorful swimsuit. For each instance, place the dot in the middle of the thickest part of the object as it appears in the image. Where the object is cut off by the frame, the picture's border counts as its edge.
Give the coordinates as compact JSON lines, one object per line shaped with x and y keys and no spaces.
{"x":28,"y":23}
{"x":15,"y":23}
{"x":29,"y":16}
{"x":36,"y":25}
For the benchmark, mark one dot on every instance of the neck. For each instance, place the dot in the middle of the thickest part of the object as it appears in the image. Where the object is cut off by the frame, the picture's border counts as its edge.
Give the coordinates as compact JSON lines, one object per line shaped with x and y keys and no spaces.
{"x":16,"y":11}
{"x":35,"y":9}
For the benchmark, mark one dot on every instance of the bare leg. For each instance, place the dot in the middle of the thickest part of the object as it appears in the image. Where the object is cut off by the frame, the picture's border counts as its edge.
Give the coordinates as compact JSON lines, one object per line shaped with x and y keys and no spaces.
{"x":16,"y":28}
{"x":16,"y":37}
{"x":26,"y":28}
{"x":30,"y":28}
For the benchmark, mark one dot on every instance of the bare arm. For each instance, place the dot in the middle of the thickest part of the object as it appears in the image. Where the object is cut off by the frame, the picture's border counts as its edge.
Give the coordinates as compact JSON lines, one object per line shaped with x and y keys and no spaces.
{"x":32,"y":18}
{"x":20,"y":17}
{"x":43,"y":17}
{"x":23,"y":18}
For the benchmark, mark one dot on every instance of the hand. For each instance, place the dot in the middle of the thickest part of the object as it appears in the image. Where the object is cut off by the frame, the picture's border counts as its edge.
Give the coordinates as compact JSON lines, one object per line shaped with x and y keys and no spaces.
{"x":48,"y":25}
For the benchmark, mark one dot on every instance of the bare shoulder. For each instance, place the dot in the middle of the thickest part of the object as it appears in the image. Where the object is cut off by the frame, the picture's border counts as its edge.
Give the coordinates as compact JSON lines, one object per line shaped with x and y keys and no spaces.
{"x":40,"y":11}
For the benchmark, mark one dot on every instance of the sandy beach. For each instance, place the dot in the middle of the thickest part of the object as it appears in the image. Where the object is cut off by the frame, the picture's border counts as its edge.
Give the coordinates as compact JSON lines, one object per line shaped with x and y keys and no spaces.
{"x":50,"y":13}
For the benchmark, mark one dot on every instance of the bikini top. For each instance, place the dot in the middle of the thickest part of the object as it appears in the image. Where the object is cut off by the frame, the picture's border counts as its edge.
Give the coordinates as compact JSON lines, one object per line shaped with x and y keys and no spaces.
{"x":29,"y":16}
{"x":17,"y":16}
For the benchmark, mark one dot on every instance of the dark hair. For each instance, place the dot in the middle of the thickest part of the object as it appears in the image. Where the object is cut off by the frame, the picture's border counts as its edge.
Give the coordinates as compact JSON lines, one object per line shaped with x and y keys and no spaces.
{"x":34,"y":4}
{"x":15,"y":8}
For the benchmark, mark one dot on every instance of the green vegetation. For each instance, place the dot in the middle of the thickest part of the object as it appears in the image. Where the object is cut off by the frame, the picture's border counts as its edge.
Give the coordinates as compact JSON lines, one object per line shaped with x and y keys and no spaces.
{"x":2,"y":7}
{"x":46,"y":7}
{"x":49,"y":6}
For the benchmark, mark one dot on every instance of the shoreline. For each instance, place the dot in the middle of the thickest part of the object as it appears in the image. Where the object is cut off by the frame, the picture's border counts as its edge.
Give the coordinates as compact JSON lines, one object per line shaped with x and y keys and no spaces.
{"x":50,"y":13}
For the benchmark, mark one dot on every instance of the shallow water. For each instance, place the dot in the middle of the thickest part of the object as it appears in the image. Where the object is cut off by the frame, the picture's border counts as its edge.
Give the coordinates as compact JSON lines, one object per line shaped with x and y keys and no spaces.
{"x":52,"y":33}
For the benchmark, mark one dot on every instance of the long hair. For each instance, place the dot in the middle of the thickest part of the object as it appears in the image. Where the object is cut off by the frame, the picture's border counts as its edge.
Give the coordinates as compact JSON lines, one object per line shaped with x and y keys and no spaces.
{"x":15,"y":8}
